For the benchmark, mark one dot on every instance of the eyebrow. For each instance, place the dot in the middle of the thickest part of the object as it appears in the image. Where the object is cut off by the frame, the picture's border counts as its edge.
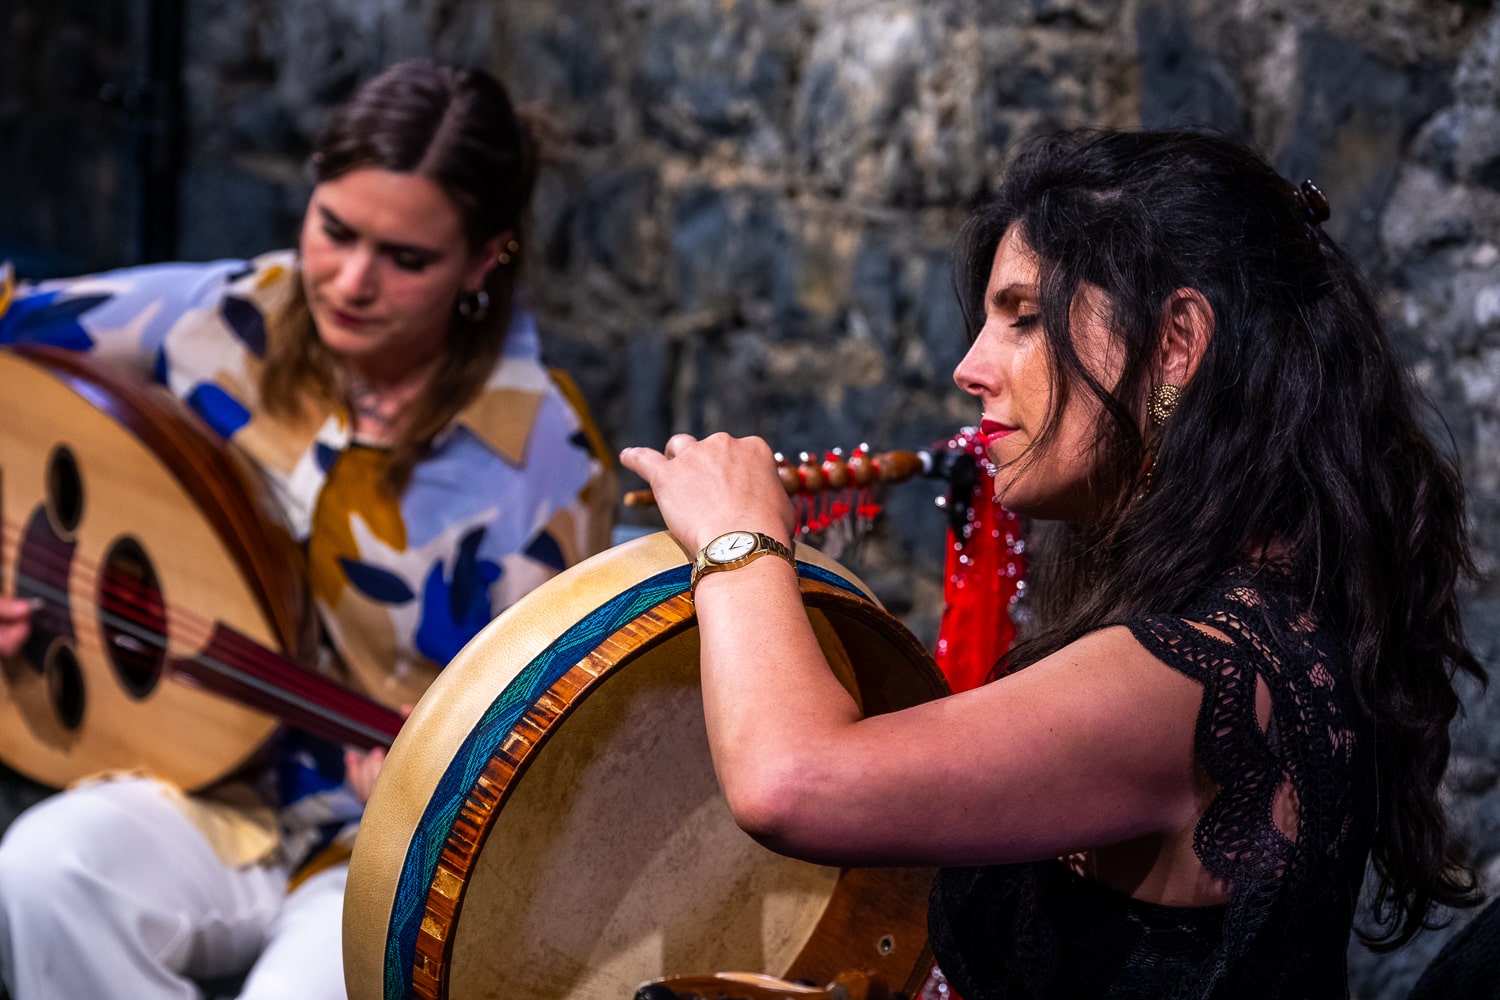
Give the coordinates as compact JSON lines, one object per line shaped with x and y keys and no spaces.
{"x":330,"y":216}
{"x":1001,"y":297}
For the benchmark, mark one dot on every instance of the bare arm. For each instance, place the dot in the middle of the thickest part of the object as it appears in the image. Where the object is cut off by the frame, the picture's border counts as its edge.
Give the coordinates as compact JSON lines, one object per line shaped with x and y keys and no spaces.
{"x":1092,"y":746}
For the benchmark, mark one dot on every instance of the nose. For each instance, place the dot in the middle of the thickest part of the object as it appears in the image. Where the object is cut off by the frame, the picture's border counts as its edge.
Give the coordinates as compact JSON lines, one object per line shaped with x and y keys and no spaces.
{"x":977,"y":373}
{"x":356,"y":278}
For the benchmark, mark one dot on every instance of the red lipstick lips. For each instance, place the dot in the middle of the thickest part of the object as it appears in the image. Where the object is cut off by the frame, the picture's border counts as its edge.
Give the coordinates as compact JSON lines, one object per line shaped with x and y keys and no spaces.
{"x":993,"y":430}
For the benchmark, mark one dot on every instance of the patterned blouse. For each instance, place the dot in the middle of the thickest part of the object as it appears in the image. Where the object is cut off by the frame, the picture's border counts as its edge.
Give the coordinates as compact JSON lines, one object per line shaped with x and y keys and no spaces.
{"x":513,"y":491}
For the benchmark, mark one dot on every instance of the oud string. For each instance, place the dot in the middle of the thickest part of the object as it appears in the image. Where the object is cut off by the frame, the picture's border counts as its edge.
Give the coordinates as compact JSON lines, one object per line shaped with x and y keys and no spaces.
{"x":140,"y":615}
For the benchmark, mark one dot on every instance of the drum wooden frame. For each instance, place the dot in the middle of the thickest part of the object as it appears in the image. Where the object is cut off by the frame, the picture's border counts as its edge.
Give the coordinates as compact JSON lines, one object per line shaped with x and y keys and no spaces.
{"x":547,"y":824}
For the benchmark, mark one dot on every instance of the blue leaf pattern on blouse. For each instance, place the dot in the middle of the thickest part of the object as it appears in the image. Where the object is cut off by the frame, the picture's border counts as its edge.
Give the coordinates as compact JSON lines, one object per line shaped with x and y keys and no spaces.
{"x":375,"y":583}
{"x":545,"y":550}
{"x":223,"y":412}
{"x":245,"y":322}
{"x":325,"y":455}
{"x":464,"y":597}
{"x":49,"y":319}
{"x":308,"y":765}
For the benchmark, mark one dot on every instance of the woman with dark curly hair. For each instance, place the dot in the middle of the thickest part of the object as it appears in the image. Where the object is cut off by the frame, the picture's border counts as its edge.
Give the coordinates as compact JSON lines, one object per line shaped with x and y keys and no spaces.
{"x":1238,"y":687}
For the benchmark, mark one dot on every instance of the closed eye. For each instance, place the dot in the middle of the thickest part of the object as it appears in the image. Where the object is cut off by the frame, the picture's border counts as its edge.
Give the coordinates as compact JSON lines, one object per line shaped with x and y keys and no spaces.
{"x":337,"y":233}
{"x":1016,"y":300}
{"x":410,"y":260}
{"x":334,"y":227}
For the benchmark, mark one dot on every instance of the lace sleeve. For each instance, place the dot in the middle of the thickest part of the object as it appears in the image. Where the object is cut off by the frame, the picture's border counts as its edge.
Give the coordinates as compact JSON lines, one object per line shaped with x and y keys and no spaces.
{"x":1235,"y":839}
{"x":1310,"y":751}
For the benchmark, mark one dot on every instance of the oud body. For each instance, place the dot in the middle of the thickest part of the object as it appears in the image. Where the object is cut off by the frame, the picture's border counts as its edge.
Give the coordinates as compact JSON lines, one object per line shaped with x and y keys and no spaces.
{"x":151,"y":555}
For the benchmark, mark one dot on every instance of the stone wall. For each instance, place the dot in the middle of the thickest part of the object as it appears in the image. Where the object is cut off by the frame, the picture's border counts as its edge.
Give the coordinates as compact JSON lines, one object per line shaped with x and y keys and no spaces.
{"x":64,"y":164}
{"x":746,"y":216}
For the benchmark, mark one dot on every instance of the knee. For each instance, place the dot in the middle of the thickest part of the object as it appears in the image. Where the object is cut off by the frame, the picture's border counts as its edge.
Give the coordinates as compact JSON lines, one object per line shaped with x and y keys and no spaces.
{"x":57,"y":853}
{"x":37,"y":865}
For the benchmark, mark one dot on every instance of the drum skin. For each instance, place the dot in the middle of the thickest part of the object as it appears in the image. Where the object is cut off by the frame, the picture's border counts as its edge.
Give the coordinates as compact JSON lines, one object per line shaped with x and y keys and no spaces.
{"x":548,"y":823}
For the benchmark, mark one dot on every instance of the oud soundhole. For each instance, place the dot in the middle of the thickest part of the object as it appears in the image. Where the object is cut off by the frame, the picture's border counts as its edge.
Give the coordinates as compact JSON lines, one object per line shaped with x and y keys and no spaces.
{"x":65,"y":686}
{"x":65,"y":489}
{"x":132,"y":617}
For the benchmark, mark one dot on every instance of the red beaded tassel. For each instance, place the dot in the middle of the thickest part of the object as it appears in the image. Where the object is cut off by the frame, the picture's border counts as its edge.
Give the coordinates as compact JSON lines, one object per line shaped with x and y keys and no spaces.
{"x":985,"y":574}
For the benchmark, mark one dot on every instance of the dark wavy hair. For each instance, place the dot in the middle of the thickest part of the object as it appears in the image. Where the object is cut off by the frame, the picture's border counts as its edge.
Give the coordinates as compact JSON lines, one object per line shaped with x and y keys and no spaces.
{"x":1299,"y":432}
{"x":458,"y":128}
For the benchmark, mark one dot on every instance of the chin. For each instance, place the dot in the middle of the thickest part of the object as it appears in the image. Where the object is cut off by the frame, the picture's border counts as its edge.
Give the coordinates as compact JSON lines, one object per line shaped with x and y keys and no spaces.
{"x":1014,"y":497}
{"x":340,"y":340}
{"x":1013,"y":500}
{"x":340,"y":347}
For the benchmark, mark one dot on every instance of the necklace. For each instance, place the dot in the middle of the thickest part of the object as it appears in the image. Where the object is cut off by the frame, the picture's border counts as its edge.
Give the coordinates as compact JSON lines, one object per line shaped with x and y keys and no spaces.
{"x":381,"y":410}
{"x":371,"y":404}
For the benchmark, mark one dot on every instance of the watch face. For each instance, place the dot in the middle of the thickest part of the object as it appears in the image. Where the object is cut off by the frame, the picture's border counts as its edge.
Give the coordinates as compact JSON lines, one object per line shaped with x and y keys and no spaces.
{"x":727,"y":548}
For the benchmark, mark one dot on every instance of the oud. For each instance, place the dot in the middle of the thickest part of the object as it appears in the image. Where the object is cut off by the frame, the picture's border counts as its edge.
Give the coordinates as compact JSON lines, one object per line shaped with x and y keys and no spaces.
{"x":172,"y":625}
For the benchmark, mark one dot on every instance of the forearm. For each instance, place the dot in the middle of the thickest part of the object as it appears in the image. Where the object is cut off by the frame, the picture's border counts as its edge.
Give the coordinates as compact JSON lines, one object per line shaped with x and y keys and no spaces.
{"x":773,"y":707}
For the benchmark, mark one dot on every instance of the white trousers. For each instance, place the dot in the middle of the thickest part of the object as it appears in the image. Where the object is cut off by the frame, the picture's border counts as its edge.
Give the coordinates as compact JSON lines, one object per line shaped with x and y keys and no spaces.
{"x":108,"y":891}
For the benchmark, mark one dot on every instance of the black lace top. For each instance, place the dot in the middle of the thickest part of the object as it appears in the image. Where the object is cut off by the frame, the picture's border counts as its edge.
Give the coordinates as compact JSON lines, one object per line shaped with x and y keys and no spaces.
{"x":1039,"y":930}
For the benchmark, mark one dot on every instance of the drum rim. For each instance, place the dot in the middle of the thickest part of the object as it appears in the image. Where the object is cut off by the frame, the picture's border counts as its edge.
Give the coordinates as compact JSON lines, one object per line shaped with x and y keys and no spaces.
{"x":413,"y":921}
{"x":416,"y":953}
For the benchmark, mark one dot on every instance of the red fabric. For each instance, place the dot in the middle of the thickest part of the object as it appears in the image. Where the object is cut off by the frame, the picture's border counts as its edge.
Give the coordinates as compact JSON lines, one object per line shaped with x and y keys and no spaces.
{"x":984,"y":572}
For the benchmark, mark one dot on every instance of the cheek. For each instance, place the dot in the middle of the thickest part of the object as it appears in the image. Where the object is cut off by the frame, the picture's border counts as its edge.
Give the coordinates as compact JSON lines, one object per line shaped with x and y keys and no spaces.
{"x":311,"y":240}
{"x":1031,"y":376}
{"x":429,"y":293}
{"x":318,"y":259}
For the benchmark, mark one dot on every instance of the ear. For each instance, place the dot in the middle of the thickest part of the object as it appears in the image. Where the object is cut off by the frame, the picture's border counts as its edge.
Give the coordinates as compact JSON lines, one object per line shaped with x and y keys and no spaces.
{"x":1187,"y":328}
{"x":484,"y":260}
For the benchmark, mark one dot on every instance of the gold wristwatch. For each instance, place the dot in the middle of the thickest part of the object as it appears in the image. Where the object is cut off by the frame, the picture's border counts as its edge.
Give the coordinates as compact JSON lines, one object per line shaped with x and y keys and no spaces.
{"x":734,"y":549}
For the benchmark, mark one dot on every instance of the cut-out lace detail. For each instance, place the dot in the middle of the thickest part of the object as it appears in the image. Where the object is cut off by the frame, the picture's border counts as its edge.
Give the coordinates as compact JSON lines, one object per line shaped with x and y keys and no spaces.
{"x":1013,"y":931}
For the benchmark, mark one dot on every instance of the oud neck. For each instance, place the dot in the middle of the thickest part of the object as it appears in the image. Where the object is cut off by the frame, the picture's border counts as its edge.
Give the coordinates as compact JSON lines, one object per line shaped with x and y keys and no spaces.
{"x":237,"y":668}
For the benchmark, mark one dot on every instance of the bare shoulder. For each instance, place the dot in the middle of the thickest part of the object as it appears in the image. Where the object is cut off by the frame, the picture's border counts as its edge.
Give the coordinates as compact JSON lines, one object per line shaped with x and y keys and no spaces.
{"x":1090,"y":746}
{"x":1116,"y":725}
{"x":1106,"y":689}
{"x":1100,"y":675}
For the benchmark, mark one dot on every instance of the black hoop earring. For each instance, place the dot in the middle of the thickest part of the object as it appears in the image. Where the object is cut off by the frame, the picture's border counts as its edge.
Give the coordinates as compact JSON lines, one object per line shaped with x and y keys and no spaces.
{"x":473,"y":307}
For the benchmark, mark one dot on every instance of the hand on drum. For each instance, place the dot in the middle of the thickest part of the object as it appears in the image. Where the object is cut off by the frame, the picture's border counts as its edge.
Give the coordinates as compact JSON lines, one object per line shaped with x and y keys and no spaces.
{"x":15,"y":625}
{"x":721,"y":483}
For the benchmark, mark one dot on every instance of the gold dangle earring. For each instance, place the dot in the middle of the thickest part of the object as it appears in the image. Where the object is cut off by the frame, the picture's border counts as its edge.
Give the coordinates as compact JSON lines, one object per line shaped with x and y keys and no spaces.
{"x":1163,"y":401}
{"x":1159,"y":407}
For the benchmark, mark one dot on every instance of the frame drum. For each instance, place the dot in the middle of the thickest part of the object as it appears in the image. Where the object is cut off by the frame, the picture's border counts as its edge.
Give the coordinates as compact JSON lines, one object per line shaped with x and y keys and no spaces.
{"x":548,"y":825}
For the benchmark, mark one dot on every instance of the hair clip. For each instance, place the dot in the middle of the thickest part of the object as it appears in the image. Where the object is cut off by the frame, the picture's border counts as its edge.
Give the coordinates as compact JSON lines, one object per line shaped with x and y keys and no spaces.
{"x":1313,"y":201}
